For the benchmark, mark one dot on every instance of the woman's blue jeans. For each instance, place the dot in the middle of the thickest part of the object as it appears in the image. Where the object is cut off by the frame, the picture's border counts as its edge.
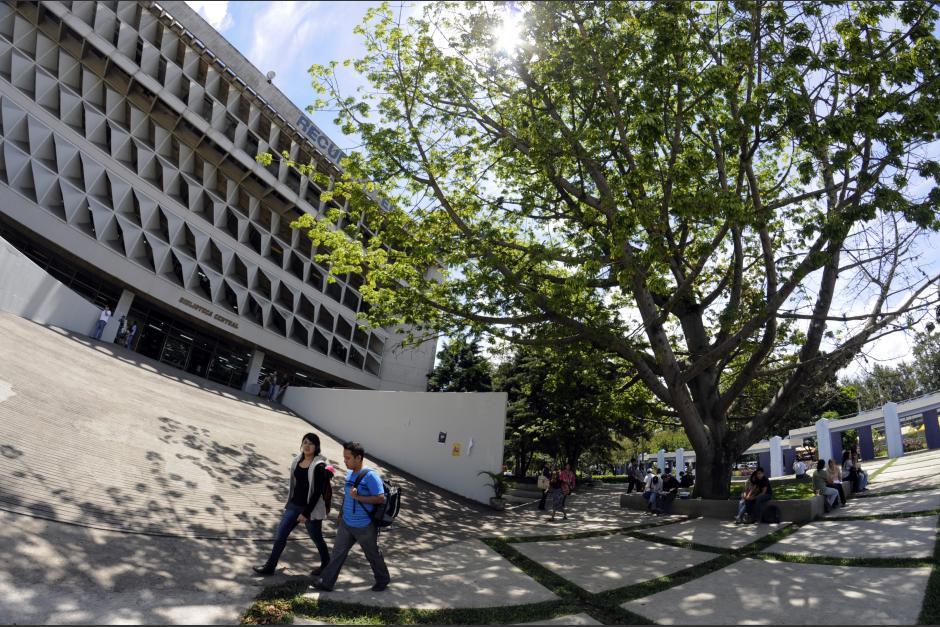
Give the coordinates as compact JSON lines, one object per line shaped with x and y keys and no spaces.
{"x":287,"y":524}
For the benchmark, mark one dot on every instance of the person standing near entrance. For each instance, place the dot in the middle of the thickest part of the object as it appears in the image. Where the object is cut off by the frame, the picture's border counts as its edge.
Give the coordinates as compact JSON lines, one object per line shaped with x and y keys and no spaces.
{"x":121,"y":331}
{"x":305,"y":503}
{"x":102,"y":322}
{"x":364,"y":492}
{"x":130,"y":335}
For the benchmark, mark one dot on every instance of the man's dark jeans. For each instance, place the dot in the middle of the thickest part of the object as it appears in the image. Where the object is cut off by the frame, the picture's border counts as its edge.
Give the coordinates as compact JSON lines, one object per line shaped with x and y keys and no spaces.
{"x":756,"y":507}
{"x":346,"y":537}
{"x":287,"y":524}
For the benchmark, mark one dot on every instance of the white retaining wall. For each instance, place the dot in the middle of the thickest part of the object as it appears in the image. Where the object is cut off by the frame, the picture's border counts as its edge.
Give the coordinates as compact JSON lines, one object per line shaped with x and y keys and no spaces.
{"x":29,"y":291}
{"x":402,"y":428}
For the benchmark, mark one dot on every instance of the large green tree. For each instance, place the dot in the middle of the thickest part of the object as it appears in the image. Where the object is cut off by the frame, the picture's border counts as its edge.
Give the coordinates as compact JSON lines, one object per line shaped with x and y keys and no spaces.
{"x":718,"y":193}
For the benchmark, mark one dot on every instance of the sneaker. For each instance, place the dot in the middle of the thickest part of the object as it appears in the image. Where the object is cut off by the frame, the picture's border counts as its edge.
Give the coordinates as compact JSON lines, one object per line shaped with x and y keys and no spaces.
{"x":318,"y":584}
{"x":379,"y":587}
{"x":263,"y":570}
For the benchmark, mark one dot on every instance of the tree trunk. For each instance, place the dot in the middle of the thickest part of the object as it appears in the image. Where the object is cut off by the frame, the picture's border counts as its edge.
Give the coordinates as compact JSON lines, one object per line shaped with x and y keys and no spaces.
{"x":713,"y":474}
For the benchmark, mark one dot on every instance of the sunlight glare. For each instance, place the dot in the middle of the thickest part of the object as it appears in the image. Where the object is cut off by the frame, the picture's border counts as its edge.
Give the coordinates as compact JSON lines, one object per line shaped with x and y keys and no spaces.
{"x":507,"y":36}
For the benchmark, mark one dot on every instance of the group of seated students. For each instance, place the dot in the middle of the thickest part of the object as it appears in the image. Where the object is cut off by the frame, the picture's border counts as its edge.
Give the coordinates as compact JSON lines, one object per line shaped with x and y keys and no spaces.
{"x":660,"y":493}
{"x":828,"y":478}
{"x":827,"y":481}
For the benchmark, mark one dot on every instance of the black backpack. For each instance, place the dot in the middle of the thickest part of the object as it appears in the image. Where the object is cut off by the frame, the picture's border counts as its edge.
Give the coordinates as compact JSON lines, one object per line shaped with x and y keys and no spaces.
{"x":383,"y":514}
{"x":326,"y":490}
{"x":771,"y":515}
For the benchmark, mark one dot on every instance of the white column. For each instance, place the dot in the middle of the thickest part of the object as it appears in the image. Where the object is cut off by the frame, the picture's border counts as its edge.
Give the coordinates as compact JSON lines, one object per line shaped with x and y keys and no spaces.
{"x":893,"y":430}
{"x":823,"y":440}
{"x":661,"y":459}
{"x":121,"y":309}
{"x":776,"y":457}
{"x":254,"y":371}
{"x":680,"y":461}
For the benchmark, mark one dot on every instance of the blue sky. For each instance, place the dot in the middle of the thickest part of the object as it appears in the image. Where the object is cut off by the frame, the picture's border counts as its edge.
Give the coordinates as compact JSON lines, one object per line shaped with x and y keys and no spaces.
{"x":288,"y":37}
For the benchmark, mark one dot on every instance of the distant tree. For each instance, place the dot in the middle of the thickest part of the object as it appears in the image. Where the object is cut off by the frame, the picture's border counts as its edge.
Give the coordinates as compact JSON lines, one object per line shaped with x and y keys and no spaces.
{"x":885,"y":383}
{"x":461,"y":368}
{"x":567,"y":401}
{"x":926,"y":363}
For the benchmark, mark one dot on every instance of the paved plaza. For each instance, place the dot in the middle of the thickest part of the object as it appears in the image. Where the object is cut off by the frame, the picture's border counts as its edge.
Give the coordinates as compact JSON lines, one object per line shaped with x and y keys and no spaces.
{"x":133,"y":493}
{"x":755,"y":591}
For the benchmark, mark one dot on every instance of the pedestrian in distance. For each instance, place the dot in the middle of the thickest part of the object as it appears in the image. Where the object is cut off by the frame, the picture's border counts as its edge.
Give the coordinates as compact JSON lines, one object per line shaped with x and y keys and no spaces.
{"x":264,"y":389}
{"x":364,"y":494}
{"x":545,"y":476}
{"x":282,"y":391}
{"x":307,"y":503}
{"x":131,"y":332}
{"x":632,"y":481}
{"x":102,"y":322}
{"x":557,"y":487}
{"x":121,"y":331}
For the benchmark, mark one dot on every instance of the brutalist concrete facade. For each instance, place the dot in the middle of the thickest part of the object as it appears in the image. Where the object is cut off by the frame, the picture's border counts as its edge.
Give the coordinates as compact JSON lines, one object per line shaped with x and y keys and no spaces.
{"x":129,"y":132}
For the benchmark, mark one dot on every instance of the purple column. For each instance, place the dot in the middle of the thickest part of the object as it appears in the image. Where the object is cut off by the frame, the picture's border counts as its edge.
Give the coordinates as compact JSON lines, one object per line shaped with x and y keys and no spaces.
{"x":836,"y":446}
{"x":932,"y":428}
{"x":789,"y":458}
{"x":866,"y":445}
{"x":763,"y":460}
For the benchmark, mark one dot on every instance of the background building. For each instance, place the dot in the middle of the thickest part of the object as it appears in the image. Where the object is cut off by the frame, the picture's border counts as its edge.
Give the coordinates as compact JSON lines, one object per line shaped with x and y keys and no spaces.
{"x":127,"y":171}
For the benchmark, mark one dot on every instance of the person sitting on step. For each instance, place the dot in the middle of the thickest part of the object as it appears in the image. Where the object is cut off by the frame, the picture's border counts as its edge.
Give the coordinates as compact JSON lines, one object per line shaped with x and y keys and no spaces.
{"x":821,"y":486}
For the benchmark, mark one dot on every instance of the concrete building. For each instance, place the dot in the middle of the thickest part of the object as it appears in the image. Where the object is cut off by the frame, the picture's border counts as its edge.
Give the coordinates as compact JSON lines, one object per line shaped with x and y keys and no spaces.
{"x":128,"y":172}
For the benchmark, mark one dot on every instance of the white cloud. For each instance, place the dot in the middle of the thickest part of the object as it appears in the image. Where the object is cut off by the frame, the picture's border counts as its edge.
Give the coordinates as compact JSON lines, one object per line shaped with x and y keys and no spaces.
{"x":213,"y":11}
{"x":284,"y":34}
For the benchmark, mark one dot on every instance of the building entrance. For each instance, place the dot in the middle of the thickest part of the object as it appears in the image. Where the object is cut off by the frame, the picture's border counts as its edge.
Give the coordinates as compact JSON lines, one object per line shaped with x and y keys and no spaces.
{"x":168,"y":339}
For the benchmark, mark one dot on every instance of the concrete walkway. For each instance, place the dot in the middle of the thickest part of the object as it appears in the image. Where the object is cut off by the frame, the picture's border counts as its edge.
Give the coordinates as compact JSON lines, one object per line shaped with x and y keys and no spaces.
{"x":132,"y":493}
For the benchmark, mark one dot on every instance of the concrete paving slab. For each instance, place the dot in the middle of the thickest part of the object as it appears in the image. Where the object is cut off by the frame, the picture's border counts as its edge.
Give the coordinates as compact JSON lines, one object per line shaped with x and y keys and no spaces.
{"x":904,"y":483}
{"x":755,"y":591}
{"x":571,"y":619}
{"x":889,"y":504}
{"x":899,"y":537}
{"x":462,"y":575}
{"x":600,"y":564}
{"x":54,"y":573}
{"x":714,"y":532}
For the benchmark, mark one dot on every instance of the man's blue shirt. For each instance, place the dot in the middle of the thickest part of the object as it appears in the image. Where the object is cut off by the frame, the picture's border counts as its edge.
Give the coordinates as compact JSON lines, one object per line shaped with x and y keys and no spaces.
{"x":356,"y":514}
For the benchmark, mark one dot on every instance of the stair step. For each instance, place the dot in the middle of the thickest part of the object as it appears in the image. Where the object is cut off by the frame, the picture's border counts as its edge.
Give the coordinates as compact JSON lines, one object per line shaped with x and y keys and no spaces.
{"x":514,"y":498}
{"x":530,"y":494}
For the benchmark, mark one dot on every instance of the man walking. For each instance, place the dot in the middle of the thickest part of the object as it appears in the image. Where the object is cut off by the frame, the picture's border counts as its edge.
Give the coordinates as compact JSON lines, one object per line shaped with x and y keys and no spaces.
{"x":102,"y":321}
{"x":364,"y":493}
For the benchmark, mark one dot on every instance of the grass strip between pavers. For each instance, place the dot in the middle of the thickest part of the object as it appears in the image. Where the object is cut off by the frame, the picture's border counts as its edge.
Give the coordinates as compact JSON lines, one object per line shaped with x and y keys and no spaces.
{"x":593,"y":604}
{"x":875,"y":474}
{"x":868,"y":494}
{"x":892,"y":516}
{"x":578,"y":535}
{"x":828,"y":560}
{"x":280,"y":604}
{"x":930,"y":611}
{"x":682,"y":544}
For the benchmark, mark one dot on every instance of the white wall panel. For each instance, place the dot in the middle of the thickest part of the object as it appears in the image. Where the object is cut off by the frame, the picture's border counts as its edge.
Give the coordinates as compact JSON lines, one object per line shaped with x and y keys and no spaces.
{"x":401,"y":428}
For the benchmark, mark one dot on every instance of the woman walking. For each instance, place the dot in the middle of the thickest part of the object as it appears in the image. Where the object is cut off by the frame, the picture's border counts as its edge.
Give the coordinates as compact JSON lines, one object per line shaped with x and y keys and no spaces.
{"x":557,"y":488}
{"x":305,"y":504}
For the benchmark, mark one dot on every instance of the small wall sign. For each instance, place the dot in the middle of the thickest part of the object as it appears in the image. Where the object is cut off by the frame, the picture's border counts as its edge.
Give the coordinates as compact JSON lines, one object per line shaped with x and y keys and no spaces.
{"x":455,"y":451}
{"x":442,"y":437}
